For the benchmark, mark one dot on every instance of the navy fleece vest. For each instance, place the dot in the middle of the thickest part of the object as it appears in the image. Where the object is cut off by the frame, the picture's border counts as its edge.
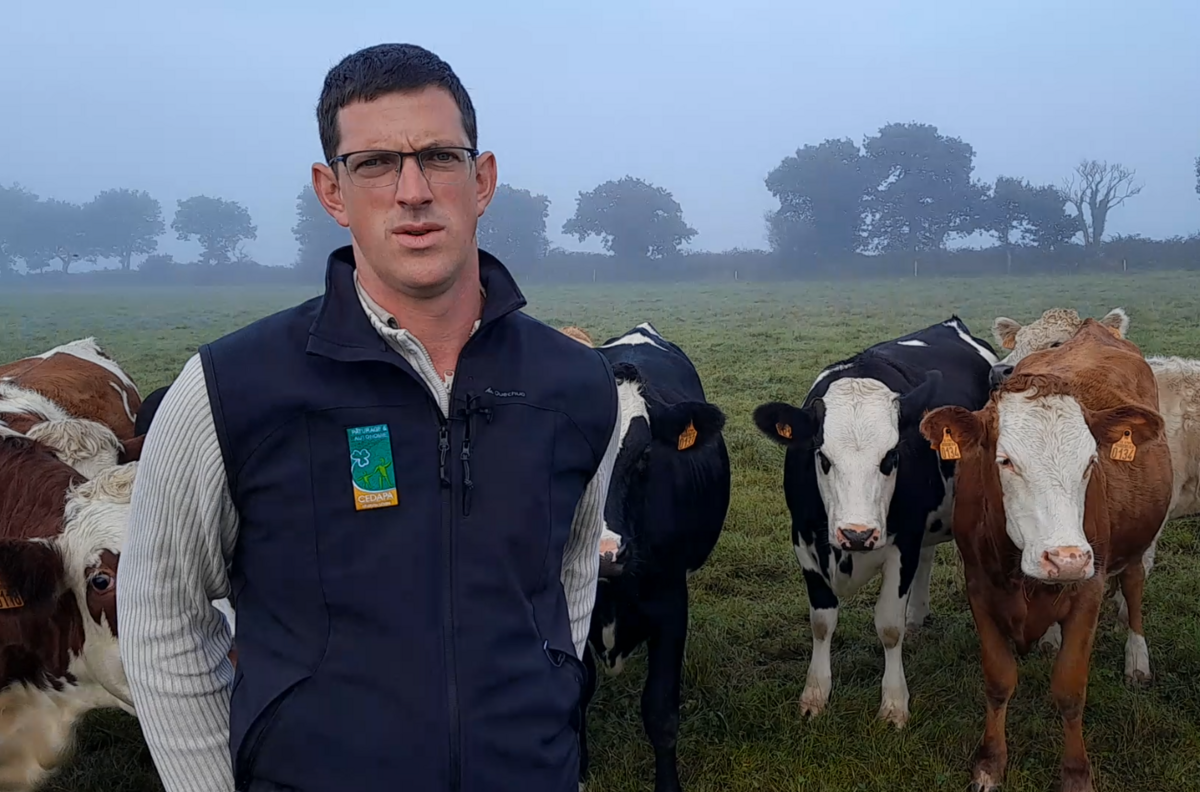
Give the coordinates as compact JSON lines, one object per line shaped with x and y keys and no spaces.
{"x":423,"y":645}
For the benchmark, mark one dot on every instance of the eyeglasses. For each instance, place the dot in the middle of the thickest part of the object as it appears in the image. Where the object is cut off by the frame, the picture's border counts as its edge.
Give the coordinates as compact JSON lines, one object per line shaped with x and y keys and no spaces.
{"x":440,"y":165}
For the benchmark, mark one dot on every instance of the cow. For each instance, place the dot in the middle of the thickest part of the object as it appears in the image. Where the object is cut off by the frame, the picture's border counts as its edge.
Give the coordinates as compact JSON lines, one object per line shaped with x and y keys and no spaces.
{"x":76,"y":399}
{"x":1064,"y":479}
{"x":864,"y":492}
{"x":667,"y":501}
{"x":1178,"y":403}
{"x":60,"y":542}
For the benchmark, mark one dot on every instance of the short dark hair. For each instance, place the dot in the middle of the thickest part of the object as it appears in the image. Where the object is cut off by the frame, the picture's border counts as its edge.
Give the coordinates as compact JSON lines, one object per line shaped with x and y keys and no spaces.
{"x":382,"y":69}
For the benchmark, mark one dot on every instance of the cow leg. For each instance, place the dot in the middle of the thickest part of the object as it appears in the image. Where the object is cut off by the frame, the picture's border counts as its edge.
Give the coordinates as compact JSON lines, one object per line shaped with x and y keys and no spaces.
{"x":590,"y":678}
{"x":1137,"y":654}
{"x":918,"y":601}
{"x":823,"y":617}
{"x":668,"y":614}
{"x":1068,"y":685}
{"x":999,"y":679}
{"x":889,"y":626}
{"x":1147,"y":564}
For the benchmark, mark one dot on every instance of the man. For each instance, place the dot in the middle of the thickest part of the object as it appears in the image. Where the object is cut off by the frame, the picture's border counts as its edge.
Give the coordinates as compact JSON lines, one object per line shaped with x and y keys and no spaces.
{"x":403,"y":477}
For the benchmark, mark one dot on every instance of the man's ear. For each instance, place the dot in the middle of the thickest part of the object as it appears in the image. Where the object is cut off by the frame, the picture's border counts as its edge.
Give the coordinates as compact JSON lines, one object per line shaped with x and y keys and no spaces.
{"x":1004,"y":330}
{"x":687,"y":426}
{"x":791,"y":426}
{"x":1124,"y":429}
{"x":485,"y":181}
{"x":951,"y":430}
{"x":329,"y":192}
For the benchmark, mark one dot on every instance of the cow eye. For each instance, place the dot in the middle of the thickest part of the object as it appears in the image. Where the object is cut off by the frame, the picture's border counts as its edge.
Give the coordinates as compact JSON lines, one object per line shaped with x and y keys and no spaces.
{"x":101,"y":582}
{"x":825,"y":463}
{"x":1056,"y":344}
{"x":1004,"y":462}
{"x":890,"y":460}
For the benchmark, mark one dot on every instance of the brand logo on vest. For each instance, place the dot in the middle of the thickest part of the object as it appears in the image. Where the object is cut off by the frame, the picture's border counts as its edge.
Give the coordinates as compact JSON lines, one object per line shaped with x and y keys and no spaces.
{"x":371,"y":471}
{"x":504,"y":394}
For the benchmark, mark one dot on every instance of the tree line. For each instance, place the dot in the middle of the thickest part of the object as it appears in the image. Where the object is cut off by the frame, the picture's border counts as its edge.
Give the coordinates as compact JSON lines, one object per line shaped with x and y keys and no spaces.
{"x":890,"y":204}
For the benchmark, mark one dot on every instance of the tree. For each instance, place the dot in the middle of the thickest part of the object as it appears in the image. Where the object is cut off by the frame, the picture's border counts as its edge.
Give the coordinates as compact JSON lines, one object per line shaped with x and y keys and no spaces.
{"x":58,"y":230}
{"x":17,"y":206}
{"x":923,"y":190}
{"x":820,"y":191}
{"x":1099,"y":188}
{"x":633,"y":218}
{"x":123,"y":222}
{"x":317,"y":234}
{"x":1020,"y":214}
{"x":219,"y":225}
{"x":514,"y":226}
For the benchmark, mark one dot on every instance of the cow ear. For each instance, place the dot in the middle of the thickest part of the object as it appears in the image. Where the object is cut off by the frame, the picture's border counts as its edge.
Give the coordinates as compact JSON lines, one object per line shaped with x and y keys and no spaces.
{"x":914,"y":403}
{"x":30,"y":572}
{"x":687,"y":426}
{"x":951,"y":430}
{"x":1124,"y":429}
{"x":1116,"y":322}
{"x":131,"y":450}
{"x":1004,"y":330}
{"x":791,"y":426}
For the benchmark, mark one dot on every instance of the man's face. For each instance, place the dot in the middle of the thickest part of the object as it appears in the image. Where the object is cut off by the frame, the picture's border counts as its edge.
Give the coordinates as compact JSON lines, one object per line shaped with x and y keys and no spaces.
{"x":383,"y":220}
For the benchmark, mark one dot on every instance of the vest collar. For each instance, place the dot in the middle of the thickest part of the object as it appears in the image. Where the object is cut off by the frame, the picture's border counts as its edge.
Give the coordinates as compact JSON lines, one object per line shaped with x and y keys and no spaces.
{"x":343,"y":331}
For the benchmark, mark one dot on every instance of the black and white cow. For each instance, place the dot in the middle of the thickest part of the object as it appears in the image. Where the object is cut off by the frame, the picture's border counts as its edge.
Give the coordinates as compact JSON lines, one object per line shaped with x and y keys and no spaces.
{"x":867,"y":493}
{"x":667,"y":502}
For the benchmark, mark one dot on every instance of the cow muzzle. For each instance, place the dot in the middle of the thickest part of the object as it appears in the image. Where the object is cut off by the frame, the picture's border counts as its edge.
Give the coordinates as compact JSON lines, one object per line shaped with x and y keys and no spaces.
{"x":1067,"y":564}
{"x":611,"y":564}
{"x":999,"y":373}
{"x":857,"y":537}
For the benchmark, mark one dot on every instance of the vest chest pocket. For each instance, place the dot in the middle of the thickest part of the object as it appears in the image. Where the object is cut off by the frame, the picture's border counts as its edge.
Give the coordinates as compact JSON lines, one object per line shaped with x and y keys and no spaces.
{"x":523,"y":469}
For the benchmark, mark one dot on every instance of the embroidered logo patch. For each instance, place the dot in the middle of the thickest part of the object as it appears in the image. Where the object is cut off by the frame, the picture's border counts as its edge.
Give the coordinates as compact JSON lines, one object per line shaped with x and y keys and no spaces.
{"x":371,"y":469}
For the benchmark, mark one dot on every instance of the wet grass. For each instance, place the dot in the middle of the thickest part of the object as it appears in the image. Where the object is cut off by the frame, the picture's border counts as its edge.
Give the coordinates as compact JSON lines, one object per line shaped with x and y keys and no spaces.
{"x":749,"y":639}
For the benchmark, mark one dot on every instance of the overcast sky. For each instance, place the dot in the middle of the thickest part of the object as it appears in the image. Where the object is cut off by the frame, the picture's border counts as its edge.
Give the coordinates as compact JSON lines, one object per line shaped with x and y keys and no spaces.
{"x":693,"y":96}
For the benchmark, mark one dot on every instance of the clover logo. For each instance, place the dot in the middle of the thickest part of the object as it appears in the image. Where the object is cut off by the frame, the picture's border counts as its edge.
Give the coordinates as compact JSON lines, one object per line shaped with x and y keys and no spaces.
{"x":360,"y":457}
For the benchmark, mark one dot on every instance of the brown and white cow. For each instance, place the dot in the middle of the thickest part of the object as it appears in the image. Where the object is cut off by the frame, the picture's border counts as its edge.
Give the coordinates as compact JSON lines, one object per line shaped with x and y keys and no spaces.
{"x":77,"y":400}
{"x":1064,"y":479}
{"x":1178,"y":403}
{"x":60,"y":542}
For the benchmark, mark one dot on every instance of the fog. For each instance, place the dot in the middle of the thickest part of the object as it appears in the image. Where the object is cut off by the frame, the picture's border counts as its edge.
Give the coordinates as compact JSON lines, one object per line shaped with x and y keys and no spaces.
{"x":701,"y":98}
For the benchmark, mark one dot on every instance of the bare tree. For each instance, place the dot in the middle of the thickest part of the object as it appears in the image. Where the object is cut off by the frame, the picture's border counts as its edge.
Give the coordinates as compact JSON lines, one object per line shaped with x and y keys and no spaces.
{"x":1099,"y":187}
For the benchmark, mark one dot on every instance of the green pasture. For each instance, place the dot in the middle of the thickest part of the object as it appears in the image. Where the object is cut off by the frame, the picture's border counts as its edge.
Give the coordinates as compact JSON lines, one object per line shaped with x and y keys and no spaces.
{"x":749,"y":638}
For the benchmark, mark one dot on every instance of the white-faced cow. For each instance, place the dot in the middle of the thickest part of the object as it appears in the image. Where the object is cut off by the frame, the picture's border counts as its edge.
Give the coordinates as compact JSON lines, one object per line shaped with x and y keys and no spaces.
{"x":1178,"y":381}
{"x":75,"y":399}
{"x":60,"y":542}
{"x":865,"y":491}
{"x":1064,"y":480}
{"x":666,"y":506}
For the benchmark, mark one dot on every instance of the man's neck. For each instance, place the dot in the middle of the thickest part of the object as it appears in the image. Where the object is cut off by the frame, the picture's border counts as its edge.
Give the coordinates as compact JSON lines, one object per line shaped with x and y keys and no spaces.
{"x":442,"y":323}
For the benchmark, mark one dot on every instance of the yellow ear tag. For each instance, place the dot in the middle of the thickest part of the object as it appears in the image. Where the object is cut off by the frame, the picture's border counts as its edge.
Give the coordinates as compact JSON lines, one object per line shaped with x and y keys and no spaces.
{"x":10,"y":599}
{"x":1124,"y":450}
{"x":1010,"y":342}
{"x":688,"y":438}
{"x":949,"y":449}
{"x":783,"y":430}
{"x":1116,"y":331}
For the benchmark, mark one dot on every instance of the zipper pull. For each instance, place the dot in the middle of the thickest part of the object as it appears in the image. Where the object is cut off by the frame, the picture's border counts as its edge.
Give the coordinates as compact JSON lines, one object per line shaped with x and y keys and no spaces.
{"x":443,"y":448}
{"x":468,"y":485}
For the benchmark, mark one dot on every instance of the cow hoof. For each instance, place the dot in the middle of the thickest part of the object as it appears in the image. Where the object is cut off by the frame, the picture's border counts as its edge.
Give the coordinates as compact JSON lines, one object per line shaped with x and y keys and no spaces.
{"x":1138,"y":678}
{"x":894,"y":713}
{"x":984,"y":783}
{"x":1076,"y":780}
{"x":813,"y":702}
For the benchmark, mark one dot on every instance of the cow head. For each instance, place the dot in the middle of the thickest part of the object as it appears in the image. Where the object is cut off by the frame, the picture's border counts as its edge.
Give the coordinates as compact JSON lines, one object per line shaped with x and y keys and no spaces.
{"x":654,"y":436}
{"x":855,"y":435}
{"x":60,"y":591}
{"x":1041,"y":445}
{"x":1054,"y":328}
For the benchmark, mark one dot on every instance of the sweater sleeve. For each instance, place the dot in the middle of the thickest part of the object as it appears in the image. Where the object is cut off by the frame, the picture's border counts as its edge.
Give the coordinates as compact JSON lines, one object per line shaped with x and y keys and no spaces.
{"x":581,"y":556}
{"x":174,"y":642}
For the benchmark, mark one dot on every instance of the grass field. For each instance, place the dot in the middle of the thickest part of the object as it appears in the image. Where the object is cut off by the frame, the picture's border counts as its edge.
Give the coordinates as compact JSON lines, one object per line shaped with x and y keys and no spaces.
{"x":749,"y":637}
